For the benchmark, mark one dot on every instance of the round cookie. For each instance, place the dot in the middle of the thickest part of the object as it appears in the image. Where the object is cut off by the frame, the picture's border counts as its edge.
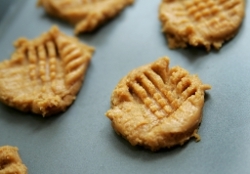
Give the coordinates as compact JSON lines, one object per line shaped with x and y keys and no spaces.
{"x":157,"y":107}
{"x":207,"y":23}
{"x":44,"y":75}
{"x":85,"y":15}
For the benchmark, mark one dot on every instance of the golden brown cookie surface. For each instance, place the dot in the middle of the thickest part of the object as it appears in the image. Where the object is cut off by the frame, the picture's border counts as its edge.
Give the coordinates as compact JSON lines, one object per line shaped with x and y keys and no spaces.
{"x":205,"y":23}
{"x":86,"y":15}
{"x":157,"y":107}
{"x":44,"y":75}
{"x":10,"y":161}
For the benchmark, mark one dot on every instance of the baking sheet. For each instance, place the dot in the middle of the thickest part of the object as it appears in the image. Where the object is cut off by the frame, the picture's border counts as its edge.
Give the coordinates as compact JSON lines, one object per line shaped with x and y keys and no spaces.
{"x":81,"y":140}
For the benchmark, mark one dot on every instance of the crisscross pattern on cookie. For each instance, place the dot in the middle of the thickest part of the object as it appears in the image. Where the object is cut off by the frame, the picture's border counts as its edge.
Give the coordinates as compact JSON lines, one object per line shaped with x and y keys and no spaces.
{"x":48,"y":71}
{"x":208,"y":8}
{"x":152,"y":97}
{"x":45,"y":56}
{"x":162,"y":94}
{"x":42,"y":59}
{"x":196,"y":22}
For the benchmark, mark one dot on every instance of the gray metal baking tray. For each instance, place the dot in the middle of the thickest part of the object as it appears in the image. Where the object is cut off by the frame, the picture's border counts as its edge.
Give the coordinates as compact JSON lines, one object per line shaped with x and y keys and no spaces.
{"x":81,"y":140}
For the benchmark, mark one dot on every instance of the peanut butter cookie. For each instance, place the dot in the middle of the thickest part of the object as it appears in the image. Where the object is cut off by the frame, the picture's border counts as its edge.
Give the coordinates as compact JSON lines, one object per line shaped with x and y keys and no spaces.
{"x":86,"y":15}
{"x":200,"y":22}
{"x":10,"y":161}
{"x":156,"y":106}
{"x":44,"y":75}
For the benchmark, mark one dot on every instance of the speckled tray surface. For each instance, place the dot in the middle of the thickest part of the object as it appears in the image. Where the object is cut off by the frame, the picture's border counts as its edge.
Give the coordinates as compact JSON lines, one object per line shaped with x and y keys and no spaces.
{"x":81,"y":140}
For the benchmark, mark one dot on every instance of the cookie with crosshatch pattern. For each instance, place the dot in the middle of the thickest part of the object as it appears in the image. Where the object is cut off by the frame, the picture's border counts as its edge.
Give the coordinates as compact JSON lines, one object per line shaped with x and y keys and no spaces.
{"x":10,"y":161}
{"x":86,"y":15}
{"x":207,"y":23}
{"x":44,"y":75}
{"x":156,"y":106}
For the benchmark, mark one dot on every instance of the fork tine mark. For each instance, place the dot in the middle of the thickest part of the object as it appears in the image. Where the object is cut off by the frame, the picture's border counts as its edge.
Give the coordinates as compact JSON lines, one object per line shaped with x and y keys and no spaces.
{"x":183,"y":84}
{"x":42,"y":62}
{"x":159,"y":84}
{"x":155,"y":94}
{"x":31,"y":53}
{"x":177,"y":74}
{"x":142,"y":94}
{"x":52,"y":59}
{"x":161,"y":68}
